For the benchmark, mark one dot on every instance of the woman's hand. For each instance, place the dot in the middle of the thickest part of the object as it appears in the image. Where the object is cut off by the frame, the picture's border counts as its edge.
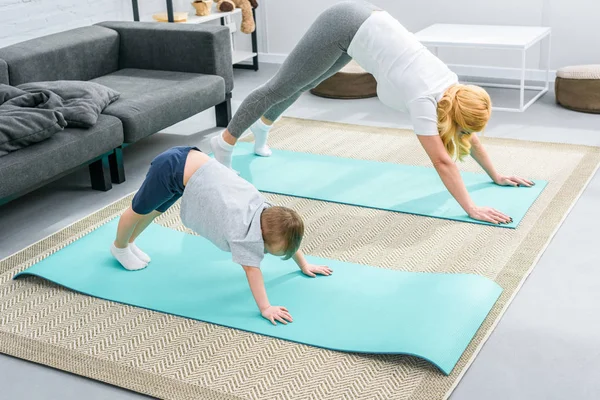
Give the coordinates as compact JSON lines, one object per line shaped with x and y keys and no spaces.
{"x":480,"y":155}
{"x":277,"y":313}
{"x":512,"y":181}
{"x":447,"y":170}
{"x":488,"y":214}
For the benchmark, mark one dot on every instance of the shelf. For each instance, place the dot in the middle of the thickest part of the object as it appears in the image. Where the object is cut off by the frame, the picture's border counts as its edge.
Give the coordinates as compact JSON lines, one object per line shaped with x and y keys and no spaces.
{"x":195,"y":19}
{"x":239,"y":56}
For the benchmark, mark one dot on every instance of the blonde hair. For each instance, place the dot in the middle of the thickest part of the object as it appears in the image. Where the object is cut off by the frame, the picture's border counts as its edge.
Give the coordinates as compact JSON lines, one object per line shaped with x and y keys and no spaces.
{"x":465,"y":107}
{"x":282,"y":224}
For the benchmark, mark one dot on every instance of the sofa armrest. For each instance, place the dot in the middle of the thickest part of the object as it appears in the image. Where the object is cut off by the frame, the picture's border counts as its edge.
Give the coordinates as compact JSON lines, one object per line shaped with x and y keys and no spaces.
{"x":199,"y":48}
{"x":3,"y":72}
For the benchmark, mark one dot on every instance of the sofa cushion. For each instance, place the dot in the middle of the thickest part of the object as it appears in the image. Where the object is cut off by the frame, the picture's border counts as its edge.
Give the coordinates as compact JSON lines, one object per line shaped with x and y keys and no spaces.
{"x":28,"y":167}
{"x":197,"y":48}
{"x":153,"y":100}
{"x":78,"y":54}
{"x":3,"y":72}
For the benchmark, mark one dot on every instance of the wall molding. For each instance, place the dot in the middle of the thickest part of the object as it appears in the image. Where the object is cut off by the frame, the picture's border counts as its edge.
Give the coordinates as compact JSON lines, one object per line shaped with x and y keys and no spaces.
{"x":476,"y":71}
{"x":481,"y":71}
{"x":272,"y":58}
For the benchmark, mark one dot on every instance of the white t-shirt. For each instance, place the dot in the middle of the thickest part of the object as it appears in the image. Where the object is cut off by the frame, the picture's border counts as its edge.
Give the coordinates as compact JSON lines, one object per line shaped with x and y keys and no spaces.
{"x":409,"y":77}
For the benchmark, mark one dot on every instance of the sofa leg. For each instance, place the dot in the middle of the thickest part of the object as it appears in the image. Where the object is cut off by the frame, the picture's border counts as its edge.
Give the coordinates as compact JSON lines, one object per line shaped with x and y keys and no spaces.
{"x":117,"y":170}
{"x":100,"y":174}
{"x":223,"y":112}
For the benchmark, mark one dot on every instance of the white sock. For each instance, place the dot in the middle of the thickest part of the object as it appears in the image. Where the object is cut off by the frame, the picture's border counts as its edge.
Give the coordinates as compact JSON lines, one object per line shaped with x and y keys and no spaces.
{"x":127,"y":259}
{"x":261,"y":134}
{"x":139,"y":253}
{"x":222,"y":150}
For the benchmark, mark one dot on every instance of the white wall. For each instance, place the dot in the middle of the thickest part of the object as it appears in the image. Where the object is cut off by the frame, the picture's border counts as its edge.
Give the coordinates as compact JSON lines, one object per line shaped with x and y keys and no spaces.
{"x":575,"y":31}
{"x":27,"y":19}
{"x":574,"y":23}
{"x":281,"y":23}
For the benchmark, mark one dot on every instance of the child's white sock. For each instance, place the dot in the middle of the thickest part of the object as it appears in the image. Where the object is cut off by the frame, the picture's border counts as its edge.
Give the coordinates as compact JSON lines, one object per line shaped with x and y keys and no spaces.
{"x":139,"y":253}
{"x":127,"y":259}
{"x":222,"y":150}
{"x":261,"y":134}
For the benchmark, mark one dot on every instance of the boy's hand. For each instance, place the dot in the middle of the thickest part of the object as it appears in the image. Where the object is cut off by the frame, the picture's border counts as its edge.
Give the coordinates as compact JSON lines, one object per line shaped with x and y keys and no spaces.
{"x":278,"y":313}
{"x":312,"y":270}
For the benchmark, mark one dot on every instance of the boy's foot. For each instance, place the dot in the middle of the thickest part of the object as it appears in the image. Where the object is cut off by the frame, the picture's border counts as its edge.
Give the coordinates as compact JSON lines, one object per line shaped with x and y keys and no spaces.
{"x":139,"y":253}
{"x":222,"y":150}
{"x":261,"y":134}
{"x":127,"y":259}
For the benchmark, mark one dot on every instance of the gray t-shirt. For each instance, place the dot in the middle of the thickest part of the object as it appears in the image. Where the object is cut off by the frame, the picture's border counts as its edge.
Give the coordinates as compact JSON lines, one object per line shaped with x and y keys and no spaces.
{"x":225,"y":209}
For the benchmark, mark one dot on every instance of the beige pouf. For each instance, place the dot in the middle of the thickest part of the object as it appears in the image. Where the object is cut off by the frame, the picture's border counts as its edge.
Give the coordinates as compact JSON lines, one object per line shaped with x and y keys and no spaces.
{"x":578,"y":88}
{"x":352,"y":82}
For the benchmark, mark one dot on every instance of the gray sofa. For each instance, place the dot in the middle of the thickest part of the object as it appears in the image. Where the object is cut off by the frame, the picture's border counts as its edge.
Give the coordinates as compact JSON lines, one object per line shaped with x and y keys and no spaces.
{"x":165,"y":73}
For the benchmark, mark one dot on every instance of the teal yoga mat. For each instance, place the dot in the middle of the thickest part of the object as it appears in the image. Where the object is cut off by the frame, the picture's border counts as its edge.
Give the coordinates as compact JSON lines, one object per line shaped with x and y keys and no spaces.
{"x":357,"y":309}
{"x":372,"y":184}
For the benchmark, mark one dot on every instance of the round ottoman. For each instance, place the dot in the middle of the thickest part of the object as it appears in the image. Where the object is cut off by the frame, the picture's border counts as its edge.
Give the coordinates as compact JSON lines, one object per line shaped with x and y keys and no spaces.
{"x":351,"y":82}
{"x":578,"y":88}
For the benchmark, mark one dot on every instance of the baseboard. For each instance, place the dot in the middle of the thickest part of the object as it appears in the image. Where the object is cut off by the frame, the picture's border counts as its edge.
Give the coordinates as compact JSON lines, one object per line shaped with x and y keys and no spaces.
{"x":480,"y":71}
{"x":476,"y":71}
{"x":272,"y":58}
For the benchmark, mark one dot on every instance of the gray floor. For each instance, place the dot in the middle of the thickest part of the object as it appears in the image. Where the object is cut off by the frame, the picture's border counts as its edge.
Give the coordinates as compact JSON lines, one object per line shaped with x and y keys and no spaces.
{"x":547,"y":345}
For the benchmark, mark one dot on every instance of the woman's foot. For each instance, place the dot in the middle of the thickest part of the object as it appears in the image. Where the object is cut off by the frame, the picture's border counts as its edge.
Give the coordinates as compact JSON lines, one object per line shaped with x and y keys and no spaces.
{"x":221,"y":150}
{"x":128,"y":260}
{"x":261,"y":135}
{"x":139,"y":253}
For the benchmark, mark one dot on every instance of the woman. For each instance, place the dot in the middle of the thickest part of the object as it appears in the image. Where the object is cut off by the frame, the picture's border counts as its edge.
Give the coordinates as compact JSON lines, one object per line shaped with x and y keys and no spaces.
{"x":444,"y":113}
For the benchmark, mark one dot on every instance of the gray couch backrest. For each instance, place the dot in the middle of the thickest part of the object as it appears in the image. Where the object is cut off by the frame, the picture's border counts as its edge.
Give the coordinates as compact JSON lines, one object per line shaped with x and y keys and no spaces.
{"x":3,"y":72}
{"x":78,"y":54}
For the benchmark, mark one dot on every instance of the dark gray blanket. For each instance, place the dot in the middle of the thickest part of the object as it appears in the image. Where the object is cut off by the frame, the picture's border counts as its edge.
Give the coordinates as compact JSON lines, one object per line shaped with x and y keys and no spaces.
{"x":33,"y":112}
{"x":80,"y":102}
{"x":22,"y":123}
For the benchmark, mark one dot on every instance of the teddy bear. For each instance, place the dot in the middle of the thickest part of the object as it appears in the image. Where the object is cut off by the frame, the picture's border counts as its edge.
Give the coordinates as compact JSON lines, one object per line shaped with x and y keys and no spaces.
{"x":248,"y":25}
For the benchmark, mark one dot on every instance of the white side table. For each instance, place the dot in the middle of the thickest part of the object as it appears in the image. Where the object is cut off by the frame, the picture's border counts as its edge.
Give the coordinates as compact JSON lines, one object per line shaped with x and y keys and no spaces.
{"x":519,"y":38}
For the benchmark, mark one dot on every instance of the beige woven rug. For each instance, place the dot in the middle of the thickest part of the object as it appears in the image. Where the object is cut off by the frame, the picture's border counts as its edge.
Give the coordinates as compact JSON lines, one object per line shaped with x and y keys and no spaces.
{"x":175,"y":358}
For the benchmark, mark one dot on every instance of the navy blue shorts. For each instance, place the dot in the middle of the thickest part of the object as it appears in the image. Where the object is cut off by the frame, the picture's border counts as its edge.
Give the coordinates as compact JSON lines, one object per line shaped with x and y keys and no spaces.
{"x":163,"y":185}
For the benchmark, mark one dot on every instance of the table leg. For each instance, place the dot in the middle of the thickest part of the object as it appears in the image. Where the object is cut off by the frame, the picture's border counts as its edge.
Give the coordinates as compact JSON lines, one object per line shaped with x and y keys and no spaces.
{"x":548,"y":64}
{"x":254,"y":43}
{"x":170,"y":15}
{"x":136,"y":10}
{"x":522,"y":86}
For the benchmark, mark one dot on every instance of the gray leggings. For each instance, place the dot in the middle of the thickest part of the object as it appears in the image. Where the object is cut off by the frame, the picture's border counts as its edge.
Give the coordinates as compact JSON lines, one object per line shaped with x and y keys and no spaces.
{"x":321,"y":53}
